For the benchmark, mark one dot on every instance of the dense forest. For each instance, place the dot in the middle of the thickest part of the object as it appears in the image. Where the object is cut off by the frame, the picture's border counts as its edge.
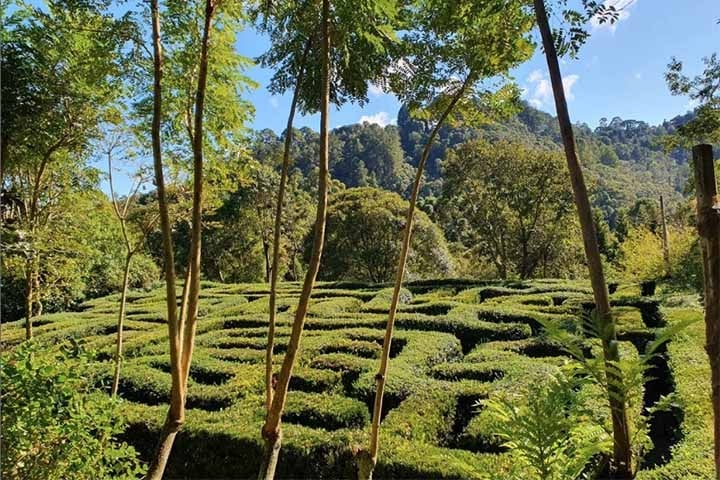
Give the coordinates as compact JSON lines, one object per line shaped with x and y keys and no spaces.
{"x":480,"y":289}
{"x":627,"y":164}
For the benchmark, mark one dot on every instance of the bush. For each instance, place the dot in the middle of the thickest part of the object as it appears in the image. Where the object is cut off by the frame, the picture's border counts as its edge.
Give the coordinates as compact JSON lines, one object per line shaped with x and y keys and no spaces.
{"x":364,"y":233}
{"x":55,"y":425}
{"x":641,"y":257}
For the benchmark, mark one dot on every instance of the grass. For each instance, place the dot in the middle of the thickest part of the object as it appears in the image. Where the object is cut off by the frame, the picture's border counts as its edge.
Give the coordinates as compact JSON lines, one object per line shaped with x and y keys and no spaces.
{"x":457,"y":342}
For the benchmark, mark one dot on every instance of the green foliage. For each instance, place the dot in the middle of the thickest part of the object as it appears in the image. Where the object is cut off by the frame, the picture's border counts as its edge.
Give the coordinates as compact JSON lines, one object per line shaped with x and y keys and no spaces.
{"x":548,"y":429}
{"x":364,"y":234}
{"x":692,"y":457}
{"x":621,"y":379}
{"x":241,"y":229}
{"x":641,"y":257}
{"x":56,"y":425}
{"x":457,"y":342}
{"x":363,"y":36}
{"x":80,"y":257}
{"x":512,"y":206}
{"x":703,"y":89}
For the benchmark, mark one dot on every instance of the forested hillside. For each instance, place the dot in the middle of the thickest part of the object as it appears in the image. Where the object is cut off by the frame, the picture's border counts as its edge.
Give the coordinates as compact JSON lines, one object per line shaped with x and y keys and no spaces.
{"x":626,"y":160}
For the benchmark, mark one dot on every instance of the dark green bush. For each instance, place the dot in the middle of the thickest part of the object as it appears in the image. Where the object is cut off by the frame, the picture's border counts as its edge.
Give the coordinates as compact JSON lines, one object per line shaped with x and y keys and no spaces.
{"x":329,"y":412}
{"x":55,"y":425}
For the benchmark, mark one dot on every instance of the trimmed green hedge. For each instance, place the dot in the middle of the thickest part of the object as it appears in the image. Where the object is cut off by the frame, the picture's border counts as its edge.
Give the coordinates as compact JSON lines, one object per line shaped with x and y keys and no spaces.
{"x":456,"y":343}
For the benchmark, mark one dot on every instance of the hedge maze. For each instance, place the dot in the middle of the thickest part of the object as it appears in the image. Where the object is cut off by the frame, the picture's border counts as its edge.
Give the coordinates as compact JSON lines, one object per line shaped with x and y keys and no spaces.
{"x":457,"y":343}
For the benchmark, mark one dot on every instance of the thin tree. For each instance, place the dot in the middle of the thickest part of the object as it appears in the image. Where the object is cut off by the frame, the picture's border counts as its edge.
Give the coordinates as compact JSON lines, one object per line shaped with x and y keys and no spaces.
{"x":486,"y":43}
{"x":665,"y":239}
{"x":176,"y":414}
{"x":123,"y":210}
{"x":622,"y":450}
{"x":366,"y":31}
{"x":181,"y":324}
{"x":274,"y":269}
{"x":271,"y":431}
{"x":368,"y":459}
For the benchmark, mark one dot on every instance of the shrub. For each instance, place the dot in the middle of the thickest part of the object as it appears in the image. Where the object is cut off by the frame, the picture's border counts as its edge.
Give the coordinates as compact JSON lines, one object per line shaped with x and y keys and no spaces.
{"x":55,"y":425}
{"x":363,"y":237}
{"x":329,"y":412}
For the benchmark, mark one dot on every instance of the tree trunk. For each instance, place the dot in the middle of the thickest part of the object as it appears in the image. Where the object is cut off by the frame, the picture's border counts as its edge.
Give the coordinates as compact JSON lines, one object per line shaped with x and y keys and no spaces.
{"x":622,"y":453}
{"x":121,"y":320}
{"x":271,"y":432}
{"x":176,"y":413}
{"x":266,"y":257}
{"x":29,"y":293}
{"x":665,"y":239}
{"x":366,"y":460}
{"x":276,"y":233}
{"x":196,"y":235}
{"x":708,"y":218}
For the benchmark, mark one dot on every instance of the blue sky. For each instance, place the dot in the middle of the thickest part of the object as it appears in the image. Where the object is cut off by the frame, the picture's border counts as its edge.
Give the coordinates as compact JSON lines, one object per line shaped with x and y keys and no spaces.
{"x":619,"y":72}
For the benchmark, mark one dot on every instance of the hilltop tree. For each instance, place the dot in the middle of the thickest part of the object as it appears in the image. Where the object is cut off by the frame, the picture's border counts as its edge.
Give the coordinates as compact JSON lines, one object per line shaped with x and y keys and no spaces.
{"x":363,"y":241}
{"x":511,"y":204}
{"x":451,"y":68}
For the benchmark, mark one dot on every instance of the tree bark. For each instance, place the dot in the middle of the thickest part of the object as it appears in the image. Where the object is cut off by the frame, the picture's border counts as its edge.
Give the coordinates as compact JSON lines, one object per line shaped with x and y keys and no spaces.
{"x":121,"y":321}
{"x":366,"y":460}
{"x":271,"y":432}
{"x":176,"y":413}
{"x":708,"y":218}
{"x":665,"y":239}
{"x":190,"y":322}
{"x":29,"y":293}
{"x":276,"y":233}
{"x":622,"y":452}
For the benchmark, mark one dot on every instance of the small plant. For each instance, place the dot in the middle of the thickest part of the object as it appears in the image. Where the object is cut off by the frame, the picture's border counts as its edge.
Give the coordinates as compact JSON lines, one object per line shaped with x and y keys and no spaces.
{"x":623,"y":379}
{"x":55,"y":423}
{"x":548,"y":429}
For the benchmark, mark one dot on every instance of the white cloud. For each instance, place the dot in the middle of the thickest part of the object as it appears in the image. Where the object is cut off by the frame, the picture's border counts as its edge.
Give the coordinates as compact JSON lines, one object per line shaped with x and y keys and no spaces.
{"x":535,"y":102}
{"x":569,"y":82}
{"x":535,"y":76}
{"x":539,"y":92}
{"x":274,"y":102}
{"x":691,"y":105}
{"x":623,"y":7}
{"x":375,"y":90}
{"x":380,"y":118}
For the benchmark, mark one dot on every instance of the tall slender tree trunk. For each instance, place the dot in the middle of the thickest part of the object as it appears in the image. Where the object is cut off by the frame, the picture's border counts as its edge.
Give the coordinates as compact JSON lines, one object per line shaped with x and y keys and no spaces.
{"x":29,"y":294}
{"x":665,"y":238}
{"x":268,"y":264}
{"x":186,"y":322}
{"x":622,"y":452}
{"x":121,"y":321}
{"x":708,"y":224}
{"x":367,"y":459}
{"x":276,"y":233}
{"x":176,"y":413}
{"x":271,"y":431}
{"x":190,"y":321}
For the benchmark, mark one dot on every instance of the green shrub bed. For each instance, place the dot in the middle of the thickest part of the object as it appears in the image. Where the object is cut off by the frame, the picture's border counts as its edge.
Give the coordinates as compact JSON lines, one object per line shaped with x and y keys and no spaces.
{"x":457,"y":343}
